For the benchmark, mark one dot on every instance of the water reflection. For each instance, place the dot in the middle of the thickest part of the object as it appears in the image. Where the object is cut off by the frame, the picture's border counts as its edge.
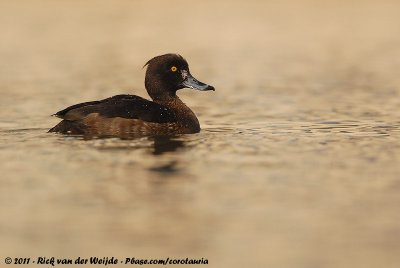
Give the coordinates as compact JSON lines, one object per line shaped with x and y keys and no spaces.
{"x":164,"y":144}
{"x":169,"y":168}
{"x":156,"y":145}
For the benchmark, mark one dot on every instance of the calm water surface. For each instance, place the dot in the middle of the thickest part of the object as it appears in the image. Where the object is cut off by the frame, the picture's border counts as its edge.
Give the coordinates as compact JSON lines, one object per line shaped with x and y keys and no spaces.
{"x":297,"y":163}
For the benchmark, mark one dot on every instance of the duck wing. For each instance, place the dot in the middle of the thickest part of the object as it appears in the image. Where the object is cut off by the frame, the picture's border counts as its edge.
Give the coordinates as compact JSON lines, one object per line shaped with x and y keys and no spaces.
{"x":124,"y":106}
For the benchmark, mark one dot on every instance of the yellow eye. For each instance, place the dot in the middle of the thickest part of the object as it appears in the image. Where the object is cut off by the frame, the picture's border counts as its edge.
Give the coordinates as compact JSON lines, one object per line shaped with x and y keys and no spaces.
{"x":173,"y":68}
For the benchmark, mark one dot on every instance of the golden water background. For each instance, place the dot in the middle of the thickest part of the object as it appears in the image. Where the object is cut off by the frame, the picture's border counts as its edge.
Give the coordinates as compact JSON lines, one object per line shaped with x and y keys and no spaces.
{"x":297,"y":163}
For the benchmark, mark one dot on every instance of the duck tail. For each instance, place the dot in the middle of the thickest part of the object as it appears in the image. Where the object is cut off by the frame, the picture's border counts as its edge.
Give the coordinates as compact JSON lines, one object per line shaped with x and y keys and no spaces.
{"x":68,"y":127}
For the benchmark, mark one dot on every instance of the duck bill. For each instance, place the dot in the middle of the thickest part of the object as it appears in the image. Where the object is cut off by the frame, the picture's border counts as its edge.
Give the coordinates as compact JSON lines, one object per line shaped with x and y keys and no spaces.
{"x":192,"y":82}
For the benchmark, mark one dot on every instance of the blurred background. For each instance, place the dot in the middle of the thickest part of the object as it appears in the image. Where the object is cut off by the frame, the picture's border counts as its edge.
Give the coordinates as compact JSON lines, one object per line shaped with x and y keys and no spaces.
{"x":296,"y":164}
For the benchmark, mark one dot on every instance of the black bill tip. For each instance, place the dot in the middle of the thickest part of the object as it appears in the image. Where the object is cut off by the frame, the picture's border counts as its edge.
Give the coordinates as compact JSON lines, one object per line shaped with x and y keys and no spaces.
{"x":210,"y":88}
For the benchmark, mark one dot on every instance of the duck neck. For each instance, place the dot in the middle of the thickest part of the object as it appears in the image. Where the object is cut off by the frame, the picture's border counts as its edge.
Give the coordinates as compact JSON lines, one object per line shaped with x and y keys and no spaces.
{"x":183,"y":112}
{"x":177,"y":105}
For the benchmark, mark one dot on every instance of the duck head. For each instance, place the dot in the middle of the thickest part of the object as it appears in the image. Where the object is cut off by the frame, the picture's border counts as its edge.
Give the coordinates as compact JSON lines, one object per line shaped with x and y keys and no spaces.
{"x":168,"y":73}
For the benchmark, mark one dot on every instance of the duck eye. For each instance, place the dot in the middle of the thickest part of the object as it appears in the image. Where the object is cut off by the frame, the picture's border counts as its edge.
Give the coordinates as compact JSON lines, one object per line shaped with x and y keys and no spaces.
{"x":173,"y":68}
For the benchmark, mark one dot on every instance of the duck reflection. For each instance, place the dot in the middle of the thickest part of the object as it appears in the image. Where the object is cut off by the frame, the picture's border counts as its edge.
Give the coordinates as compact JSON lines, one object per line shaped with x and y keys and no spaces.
{"x":169,"y":168}
{"x":156,"y":145}
{"x":164,"y":144}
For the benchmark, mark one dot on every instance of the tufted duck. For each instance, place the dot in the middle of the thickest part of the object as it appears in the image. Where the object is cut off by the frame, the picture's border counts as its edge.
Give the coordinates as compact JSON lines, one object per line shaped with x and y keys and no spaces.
{"x":132,"y":116}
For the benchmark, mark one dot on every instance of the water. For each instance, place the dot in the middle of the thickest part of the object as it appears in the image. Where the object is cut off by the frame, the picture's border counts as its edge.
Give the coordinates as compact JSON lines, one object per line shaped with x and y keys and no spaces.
{"x":296,"y":164}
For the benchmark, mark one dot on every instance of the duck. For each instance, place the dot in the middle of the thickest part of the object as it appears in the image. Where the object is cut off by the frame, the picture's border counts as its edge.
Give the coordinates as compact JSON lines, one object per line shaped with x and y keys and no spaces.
{"x":128,"y":116}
